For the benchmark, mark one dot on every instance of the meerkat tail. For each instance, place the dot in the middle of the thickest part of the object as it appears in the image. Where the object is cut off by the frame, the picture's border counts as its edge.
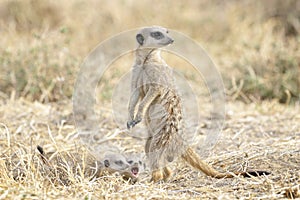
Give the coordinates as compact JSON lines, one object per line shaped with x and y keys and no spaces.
{"x":40,"y":149}
{"x":191,"y":157}
{"x":194,"y":160}
{"x":43,"y":155}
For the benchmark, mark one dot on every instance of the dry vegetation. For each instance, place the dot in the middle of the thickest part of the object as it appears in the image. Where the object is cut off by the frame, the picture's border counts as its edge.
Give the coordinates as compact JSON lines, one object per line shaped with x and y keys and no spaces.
{"x":256,"y":45}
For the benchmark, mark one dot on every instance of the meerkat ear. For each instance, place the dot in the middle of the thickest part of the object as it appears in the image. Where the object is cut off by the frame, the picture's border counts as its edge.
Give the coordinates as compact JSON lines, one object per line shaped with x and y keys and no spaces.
{"x":106,"y":163}
{"x":140,"y":39}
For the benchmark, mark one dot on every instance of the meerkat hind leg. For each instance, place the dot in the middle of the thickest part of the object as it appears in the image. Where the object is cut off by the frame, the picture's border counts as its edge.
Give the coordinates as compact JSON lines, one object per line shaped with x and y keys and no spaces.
{"x":157,"y":175}
{"x":167,"y":173}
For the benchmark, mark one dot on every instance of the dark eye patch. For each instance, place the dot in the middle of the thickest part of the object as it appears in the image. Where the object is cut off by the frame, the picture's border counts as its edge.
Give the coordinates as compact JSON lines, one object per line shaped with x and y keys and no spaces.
{"x":130,"y":161}
{"x":157,"y":35}
{"x":119,"y":162}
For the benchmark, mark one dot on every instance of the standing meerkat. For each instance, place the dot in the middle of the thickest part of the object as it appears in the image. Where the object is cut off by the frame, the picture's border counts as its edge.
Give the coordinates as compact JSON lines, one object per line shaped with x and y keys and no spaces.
{"x":152,"y":87}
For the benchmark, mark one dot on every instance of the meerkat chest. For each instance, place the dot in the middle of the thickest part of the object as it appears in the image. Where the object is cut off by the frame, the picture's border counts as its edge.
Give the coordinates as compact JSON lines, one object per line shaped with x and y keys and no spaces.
{"x":161,"y":79}
{"x":157,"y":75}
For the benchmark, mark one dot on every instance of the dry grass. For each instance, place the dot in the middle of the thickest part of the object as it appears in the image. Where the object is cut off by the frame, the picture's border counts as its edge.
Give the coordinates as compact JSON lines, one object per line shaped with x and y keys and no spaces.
{"x":254,"y":43}
{"x":264,"y":136}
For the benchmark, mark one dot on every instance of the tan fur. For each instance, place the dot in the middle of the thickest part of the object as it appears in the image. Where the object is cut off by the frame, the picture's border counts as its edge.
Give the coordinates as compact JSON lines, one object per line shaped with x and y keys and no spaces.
{"x":153,"y":85}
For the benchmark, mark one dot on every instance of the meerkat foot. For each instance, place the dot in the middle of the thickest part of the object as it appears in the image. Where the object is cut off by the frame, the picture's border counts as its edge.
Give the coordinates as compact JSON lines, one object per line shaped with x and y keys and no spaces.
{"x":167,"y":173}
{"x":157,"y":175}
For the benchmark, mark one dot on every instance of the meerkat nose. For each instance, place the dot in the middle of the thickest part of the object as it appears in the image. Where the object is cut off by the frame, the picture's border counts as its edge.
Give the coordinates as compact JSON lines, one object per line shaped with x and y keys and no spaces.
{"x":171,"y":40}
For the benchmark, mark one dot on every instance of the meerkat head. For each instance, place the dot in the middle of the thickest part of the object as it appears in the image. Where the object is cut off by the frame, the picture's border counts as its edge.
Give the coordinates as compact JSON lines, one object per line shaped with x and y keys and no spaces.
{"x":154,"y":37}
{"x":137,"y":164}
{"x":118,"y":163}
{"x":115,"y":162}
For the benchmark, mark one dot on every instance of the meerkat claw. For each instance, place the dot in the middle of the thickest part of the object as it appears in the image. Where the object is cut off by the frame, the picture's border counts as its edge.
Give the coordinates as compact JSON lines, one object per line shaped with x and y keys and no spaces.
{"x":137,"y":121}
{"x":128,"y":125}
{"x":132,"y":123}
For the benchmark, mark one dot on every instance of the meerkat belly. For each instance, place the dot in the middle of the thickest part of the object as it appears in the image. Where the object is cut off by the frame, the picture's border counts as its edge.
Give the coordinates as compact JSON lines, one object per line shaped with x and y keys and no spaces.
{"x":173,"y":111}
{"x":165,"y":115}
{"x":166,"y":129}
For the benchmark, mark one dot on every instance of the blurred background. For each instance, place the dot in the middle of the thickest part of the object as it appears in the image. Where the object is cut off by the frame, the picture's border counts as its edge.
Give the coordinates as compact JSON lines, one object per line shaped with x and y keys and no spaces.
{"x":255,"y":44}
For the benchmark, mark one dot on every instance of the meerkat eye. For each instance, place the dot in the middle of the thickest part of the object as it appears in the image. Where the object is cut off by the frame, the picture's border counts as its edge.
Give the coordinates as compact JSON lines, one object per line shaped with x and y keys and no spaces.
{"x":130,"y":161}
{"x":157,"y":35}
{"x":119,"y":162}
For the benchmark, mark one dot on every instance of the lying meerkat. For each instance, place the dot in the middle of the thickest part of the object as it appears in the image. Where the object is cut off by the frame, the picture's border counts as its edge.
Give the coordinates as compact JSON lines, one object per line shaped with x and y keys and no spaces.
{"x":61,"y":164}
{"x":153,"y":84}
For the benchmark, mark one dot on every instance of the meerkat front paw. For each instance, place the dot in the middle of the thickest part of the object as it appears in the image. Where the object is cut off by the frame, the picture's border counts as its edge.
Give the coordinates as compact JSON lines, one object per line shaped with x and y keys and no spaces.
{"x":129,"y":124}
{"x":132,"y":123}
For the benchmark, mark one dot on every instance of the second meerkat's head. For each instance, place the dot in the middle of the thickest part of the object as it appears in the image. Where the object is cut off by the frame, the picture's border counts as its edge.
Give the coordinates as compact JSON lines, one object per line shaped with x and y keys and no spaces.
{"x":118,"y":163}
{"x":154,"y":37}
